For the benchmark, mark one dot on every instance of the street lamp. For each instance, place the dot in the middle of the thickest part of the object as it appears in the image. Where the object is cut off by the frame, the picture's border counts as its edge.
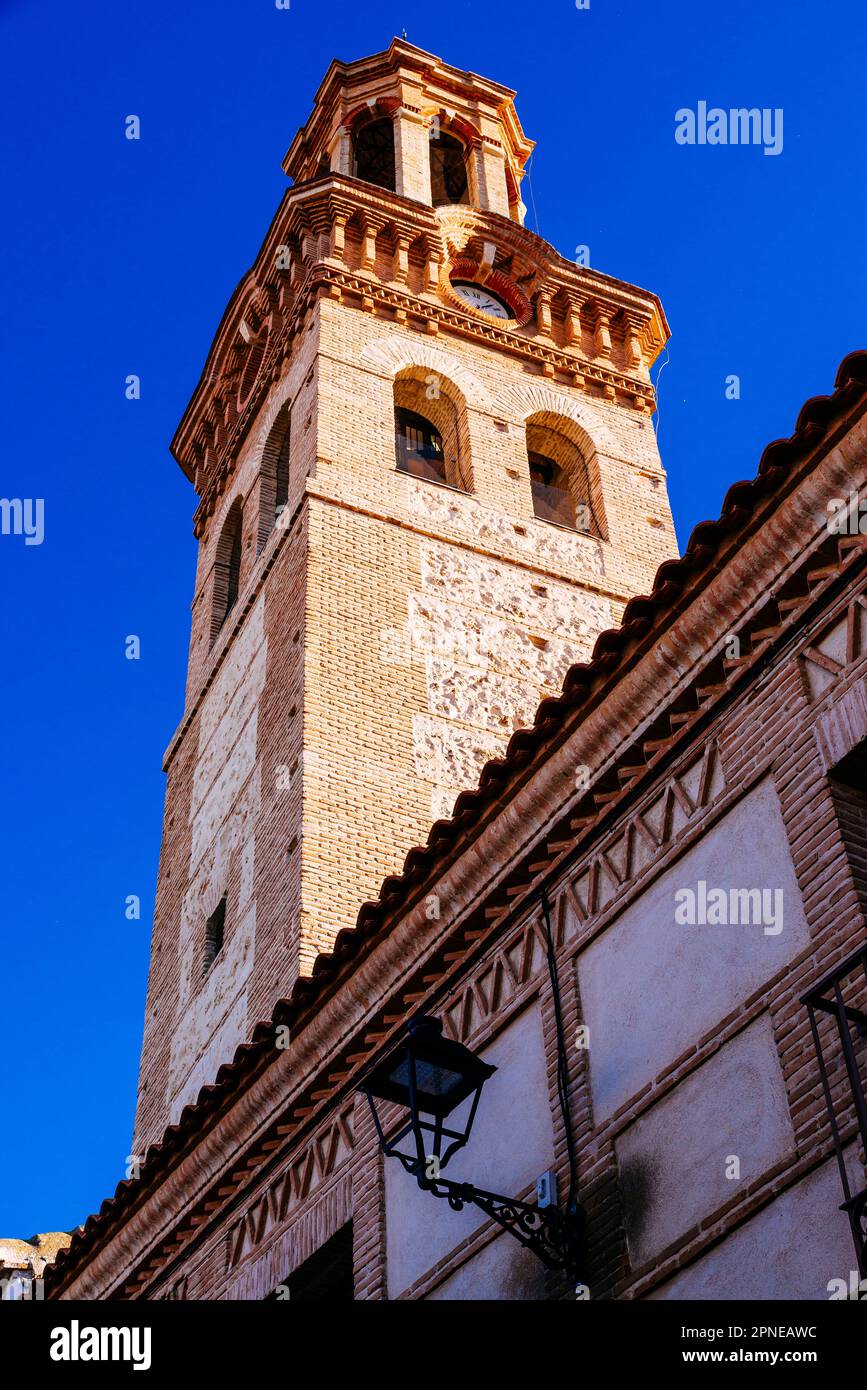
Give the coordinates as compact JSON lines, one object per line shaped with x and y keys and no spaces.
{"x":429,"y":1077}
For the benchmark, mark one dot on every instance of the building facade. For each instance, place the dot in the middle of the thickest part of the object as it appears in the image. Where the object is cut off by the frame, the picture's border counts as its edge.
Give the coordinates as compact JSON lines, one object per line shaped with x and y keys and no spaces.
{"x":23,"y":1262}
{"x":428,"y":480}
{"x":625,"y":913}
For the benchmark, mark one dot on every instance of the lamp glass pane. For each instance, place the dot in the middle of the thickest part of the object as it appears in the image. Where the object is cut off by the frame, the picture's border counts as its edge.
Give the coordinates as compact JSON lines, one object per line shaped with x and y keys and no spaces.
{"x":430,"y":1078}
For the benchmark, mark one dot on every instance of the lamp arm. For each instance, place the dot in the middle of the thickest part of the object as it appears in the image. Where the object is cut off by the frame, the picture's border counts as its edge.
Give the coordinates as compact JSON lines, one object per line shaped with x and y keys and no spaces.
{"x":856,"y":1210}
{"x":555,"y":1237}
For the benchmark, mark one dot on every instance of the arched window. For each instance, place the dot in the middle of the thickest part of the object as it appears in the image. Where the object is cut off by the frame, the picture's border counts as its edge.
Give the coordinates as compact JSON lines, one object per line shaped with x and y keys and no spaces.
{"x":274,"y":476}
{"x":227,"y":568}
{"x":564,"y":486}
{"x":419,"y":446}
{"x":432,"y":428}
{"x":373,"y":150}
{"x":448,"y":171}
{"x":233,"y":577}
{"x":552,"y":500}
{"x":215,"y":929}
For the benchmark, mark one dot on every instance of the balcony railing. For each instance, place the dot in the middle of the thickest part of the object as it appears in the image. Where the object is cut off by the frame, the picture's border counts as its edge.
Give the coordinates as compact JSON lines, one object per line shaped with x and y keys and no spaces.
{"x":841,"y":1051}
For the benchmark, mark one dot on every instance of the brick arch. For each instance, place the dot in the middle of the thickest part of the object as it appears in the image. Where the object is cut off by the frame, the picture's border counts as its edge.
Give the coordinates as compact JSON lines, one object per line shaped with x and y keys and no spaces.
{"x":453,"y":123}
{"x":227,"y":574}
{"x":382,"y":110}
{"x":274,"y":477}
{"x":446,"y":411}
{"x":454,"y":128}
{"x":278,"y":397}
{"x":561,"y":439}
{"x":589,"y":431}
{"x":382,"y":106}
{"x":389,"y":356}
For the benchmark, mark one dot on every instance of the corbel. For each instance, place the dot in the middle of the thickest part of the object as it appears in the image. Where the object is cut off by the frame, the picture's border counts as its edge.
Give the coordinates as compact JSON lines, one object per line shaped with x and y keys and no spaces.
{"x":602,"y":330}
{"x":337,"y":246}
{"x":543,"y":311}
{"x":368,"y":242}
{"x":400,"y":260}
{"x":574,"y":329}
{"x":633,"y":325}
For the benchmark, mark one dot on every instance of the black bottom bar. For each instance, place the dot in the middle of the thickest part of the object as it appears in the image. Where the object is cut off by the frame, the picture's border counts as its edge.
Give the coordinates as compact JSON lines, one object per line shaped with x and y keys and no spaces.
{"x":58,"y":1340}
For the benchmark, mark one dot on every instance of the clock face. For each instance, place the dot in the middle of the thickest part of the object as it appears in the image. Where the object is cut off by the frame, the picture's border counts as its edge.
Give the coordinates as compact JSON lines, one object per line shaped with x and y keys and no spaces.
{"x":480,"y":298}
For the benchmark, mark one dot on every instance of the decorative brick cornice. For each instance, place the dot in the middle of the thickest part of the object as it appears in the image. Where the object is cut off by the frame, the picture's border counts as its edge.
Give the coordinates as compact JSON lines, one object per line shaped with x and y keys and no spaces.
{"x":305,"y":251}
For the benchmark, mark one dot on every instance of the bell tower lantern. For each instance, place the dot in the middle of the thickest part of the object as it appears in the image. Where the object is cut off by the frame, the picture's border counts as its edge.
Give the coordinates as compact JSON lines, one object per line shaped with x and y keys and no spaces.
{"x":419,"y":128}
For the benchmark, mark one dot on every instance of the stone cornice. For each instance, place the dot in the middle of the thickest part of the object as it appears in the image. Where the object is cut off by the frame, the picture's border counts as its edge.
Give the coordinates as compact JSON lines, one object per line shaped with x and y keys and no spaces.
{"x":302,"y":257}
{"x":392,"y":302}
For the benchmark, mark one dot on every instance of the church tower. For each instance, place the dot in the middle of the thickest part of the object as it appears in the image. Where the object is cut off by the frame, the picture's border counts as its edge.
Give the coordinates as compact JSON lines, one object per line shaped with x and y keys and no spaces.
{"x":428,"y":480}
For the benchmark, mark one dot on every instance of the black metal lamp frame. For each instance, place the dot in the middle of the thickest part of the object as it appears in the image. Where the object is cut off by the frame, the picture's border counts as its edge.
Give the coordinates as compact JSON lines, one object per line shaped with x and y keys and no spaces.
{"x":827,"y":997}
{"x":555,"y":1237}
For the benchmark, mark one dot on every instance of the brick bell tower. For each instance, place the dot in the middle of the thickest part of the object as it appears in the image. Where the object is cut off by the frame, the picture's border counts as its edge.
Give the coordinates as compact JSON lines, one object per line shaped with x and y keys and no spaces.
{"x":428,"y":478}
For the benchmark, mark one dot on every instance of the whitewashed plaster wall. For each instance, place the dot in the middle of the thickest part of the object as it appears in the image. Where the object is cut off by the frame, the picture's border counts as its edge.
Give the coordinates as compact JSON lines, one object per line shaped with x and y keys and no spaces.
{"x":512,"y":1142}
{"x":651,"y":988}
{"x":764,"y":1258}
{"x":721,"y":1128}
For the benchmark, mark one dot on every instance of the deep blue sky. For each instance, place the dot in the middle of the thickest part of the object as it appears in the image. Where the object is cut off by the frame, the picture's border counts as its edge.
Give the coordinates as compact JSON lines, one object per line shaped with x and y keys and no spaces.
{"x":119,"y":258}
